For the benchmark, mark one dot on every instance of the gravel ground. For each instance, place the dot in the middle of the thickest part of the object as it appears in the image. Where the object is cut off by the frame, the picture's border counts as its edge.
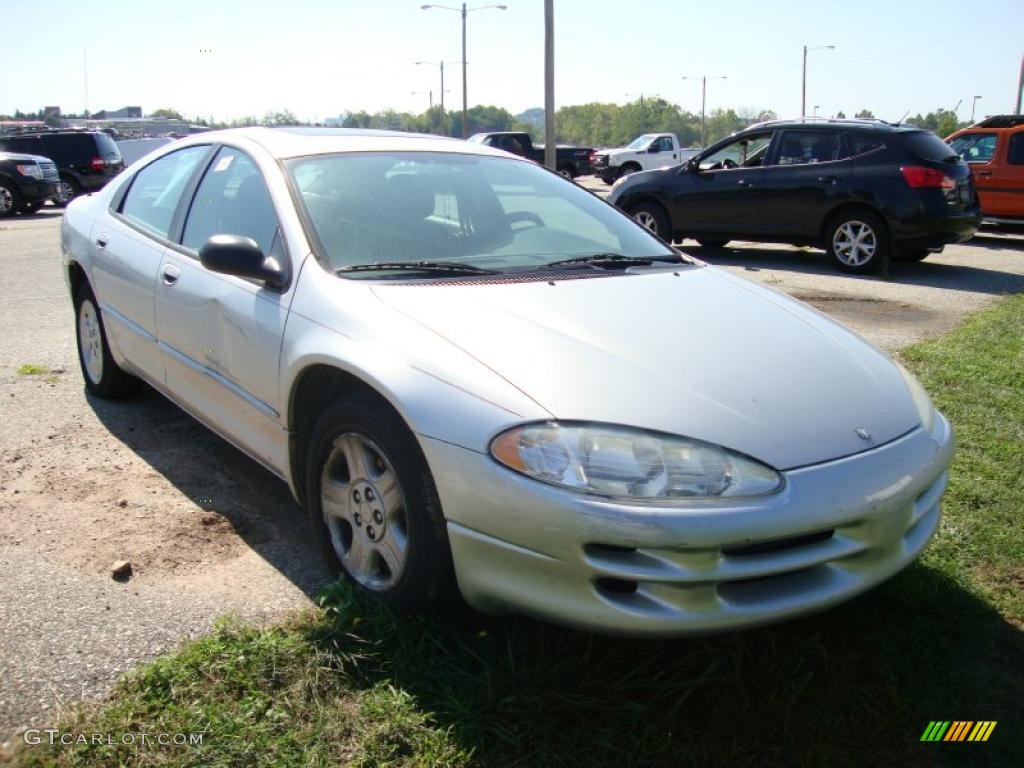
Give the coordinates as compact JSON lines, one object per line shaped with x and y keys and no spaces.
{"x":84,"y":482}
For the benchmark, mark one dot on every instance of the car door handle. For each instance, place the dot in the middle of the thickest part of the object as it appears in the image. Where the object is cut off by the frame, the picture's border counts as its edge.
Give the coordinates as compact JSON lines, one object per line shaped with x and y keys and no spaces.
{"x":102,"y":240}
{"x":746,"y":183}
{"x":171,"y":274}
{"x":833,"y":180}
{"x":984,"y":174}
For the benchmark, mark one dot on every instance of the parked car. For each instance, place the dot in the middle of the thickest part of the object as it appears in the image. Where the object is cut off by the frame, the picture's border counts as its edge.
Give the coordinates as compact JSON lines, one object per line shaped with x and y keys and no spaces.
{"x":569,"y":161}
{"x":447,"y":353}
{"x":135,"y":149}
{"x":86,"y":160}
{"x":859,"y":189}
{"x":994,"y":149}
{"x":26,"y":182}
{"x":644,"y":153}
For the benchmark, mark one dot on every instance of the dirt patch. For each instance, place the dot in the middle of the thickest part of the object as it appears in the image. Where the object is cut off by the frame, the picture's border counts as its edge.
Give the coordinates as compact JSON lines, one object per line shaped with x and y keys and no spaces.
{"x":860,"y":311}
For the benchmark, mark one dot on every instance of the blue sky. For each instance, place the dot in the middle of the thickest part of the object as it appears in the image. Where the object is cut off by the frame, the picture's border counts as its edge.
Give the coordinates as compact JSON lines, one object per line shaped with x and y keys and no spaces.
{"x":321,"y":58}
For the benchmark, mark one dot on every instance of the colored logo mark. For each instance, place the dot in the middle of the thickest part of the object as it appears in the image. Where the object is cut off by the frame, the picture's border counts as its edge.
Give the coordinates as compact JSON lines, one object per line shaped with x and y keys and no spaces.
{"x":958,"y":730}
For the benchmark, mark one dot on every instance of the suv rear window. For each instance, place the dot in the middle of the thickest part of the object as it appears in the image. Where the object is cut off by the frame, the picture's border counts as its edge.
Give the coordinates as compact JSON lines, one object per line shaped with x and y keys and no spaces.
{"x":107,"y":146}
{"x":927,"y":146}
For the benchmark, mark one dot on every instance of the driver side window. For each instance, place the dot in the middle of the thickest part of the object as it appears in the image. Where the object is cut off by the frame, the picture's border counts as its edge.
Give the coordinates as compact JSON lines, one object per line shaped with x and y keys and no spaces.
{"x":746,"y":152}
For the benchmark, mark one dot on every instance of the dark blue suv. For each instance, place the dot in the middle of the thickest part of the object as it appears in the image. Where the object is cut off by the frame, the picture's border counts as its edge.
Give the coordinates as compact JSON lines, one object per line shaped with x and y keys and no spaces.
{"x":861,"y":189}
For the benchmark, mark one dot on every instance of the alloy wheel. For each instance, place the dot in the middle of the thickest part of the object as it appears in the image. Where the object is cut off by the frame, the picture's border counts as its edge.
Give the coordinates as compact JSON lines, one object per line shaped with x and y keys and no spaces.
{"x":64,"y":192}
{"x":365,"y":511}
{"x":6,"y":201}
{"x":91,"y":341}
{"x":646,"y":220}
{"x":854,"y":243}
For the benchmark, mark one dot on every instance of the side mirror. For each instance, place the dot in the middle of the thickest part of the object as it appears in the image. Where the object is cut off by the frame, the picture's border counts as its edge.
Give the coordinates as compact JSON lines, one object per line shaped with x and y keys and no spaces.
{"x":242,"y":257}
{"x":693,"y":165}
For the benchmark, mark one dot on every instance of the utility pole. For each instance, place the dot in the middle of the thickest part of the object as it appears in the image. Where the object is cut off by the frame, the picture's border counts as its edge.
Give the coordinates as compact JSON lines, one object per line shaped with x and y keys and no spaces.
{"x":803,"y":81}
{"x":549,"y":84}
{"x":703,"y":103}
{"x":85,"y":81}
{"x":1020,"y":85}
{"x":465,"y":98}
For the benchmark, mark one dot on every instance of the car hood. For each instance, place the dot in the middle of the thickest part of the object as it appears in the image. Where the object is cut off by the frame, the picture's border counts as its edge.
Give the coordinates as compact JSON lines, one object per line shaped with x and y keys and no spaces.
{"x":700,"y":353}
{"x":621,"y":151}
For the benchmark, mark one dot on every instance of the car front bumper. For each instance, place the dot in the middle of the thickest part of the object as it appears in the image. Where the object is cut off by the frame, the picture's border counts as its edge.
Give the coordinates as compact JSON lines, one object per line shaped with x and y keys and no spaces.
{"x":835,"y":530}
{"x":37,"y":191}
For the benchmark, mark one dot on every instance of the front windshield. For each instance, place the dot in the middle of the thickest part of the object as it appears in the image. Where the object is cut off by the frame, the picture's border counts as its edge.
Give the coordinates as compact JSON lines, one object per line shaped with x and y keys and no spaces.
{"x":641,"y":141}
{"x":481,"y":211}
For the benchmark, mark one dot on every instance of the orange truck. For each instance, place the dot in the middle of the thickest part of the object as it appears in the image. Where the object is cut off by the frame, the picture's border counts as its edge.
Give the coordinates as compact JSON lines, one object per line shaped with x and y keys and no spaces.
{"x":994,"y":148}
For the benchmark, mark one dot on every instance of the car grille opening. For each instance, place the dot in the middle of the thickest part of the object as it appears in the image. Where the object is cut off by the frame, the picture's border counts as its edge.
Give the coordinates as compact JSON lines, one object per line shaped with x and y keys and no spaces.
{"x":778,"y":545}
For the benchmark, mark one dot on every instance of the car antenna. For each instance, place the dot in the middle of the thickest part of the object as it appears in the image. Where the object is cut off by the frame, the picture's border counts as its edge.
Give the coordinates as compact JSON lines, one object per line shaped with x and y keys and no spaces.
{"x":900,"y":121}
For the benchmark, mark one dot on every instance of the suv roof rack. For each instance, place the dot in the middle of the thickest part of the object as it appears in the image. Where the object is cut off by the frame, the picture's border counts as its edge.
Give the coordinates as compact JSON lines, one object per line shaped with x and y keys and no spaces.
{"x":1001,"y":121}
{"x":832,"y":120}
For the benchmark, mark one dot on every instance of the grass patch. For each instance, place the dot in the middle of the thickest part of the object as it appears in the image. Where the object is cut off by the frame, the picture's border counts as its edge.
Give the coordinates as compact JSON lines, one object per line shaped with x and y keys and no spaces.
{"x":31,"y":369}
{"x":354,"y":685}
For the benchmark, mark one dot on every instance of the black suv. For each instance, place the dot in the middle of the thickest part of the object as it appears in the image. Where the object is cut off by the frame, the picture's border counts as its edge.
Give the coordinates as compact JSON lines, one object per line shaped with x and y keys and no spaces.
{"x":26,"y":182}
{"x":86,"y":160}
{"x":861,"y":189}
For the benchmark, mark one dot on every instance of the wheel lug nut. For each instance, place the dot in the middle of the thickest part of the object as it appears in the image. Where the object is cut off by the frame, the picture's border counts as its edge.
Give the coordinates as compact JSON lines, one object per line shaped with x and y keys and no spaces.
{"x":355,"y":496}
{"x":370,"y":532}
{"x":369,"y":494}
{"x":378,"y":517}
{"x":358,"y":519}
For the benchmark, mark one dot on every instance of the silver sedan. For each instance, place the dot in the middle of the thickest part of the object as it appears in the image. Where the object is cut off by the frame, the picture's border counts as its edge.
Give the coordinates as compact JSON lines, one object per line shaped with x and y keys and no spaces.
{"x":482,"y":380}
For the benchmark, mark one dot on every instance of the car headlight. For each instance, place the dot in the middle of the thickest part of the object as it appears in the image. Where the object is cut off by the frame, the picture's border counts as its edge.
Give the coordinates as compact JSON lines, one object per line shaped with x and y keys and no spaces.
{"x":923,"y":403}
{"x":626,"y":463}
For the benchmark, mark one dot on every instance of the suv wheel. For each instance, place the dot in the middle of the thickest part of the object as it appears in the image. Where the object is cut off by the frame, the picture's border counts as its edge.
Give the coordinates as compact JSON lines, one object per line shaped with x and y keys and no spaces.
{"x":375,"y":511}
{"x":9,"y":200}
{"x":67,"y":190}
{"x":858,"y":242}
{"x":103,"y":377}
{"x":652,"y":217}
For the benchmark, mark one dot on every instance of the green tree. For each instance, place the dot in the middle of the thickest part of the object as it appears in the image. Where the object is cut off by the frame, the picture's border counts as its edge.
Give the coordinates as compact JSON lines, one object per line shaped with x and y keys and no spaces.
{"x":170,"y":114}
{"x":865,"y":113}
{"x":283,"y":117}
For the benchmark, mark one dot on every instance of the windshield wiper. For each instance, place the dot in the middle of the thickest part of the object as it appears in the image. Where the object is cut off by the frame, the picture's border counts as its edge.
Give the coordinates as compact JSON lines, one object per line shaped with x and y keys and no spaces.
{"x":447,"y":267}
{"x":599,"y":259}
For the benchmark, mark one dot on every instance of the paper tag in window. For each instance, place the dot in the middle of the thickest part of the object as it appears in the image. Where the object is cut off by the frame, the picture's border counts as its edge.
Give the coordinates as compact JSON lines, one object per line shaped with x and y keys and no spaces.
{"x":223,"y":163}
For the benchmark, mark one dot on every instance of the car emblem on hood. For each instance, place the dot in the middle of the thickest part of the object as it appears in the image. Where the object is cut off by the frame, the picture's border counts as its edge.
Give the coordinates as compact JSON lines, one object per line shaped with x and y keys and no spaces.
{"x":862,"y":433}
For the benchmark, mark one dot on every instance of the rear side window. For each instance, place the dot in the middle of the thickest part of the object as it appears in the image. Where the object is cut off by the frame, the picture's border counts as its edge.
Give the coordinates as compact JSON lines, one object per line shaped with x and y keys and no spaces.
{"x":803,"y":147}
{"x":1017,"y":149}
{"x":232,"y":199}
{"x":25,"y":146}
{"x":975,"y":147}
{"x":925,"y":145}
{"x":156,"y":189}
{"x":861,"y":144}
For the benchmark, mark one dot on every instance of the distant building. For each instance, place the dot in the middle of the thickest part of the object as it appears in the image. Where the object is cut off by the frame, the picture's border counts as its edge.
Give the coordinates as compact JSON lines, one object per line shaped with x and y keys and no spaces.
{"x":51,"y":112}
{"x":108,"y":114}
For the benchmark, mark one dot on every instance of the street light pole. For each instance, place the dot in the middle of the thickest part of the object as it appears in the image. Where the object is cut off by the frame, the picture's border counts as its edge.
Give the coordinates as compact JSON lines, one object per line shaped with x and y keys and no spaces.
{"x":549,"y":85}
{"x":703,"y":102}
{"x":803,"y":82}
{"x":464,"y":11}
{"x":974,"y":101}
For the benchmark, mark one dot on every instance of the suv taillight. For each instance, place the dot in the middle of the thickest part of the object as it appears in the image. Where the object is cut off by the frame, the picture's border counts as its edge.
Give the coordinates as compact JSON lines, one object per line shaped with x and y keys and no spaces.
{"x":919,"y":177}
{"x":98,"y":164}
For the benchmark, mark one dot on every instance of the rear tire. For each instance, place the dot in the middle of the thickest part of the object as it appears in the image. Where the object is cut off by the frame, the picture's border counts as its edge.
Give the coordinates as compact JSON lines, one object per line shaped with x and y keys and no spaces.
{"x":375,"y":511}
{"x":103,"y":377}
{"x":10,"y":200}
{"x":565,"y":171}
{"x":67,"y":190}
{"x":858,"y":242}
{"x":712,"y":242}
{"x":653,"y":218}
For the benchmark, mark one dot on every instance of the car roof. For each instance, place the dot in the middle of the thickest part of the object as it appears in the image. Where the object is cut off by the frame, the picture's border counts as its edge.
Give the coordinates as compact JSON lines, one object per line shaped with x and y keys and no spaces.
{"x":869,"y":124}
{"x":298,"y":141}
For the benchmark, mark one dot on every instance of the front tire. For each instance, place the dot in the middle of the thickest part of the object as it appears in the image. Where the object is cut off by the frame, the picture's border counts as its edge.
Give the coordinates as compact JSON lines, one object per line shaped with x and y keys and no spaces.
{"x":858,"y":242}
{"x":10,"y":201}
{"x":374,"y":508}
{"x":103,"y":377}
{"x":653,"y":218}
